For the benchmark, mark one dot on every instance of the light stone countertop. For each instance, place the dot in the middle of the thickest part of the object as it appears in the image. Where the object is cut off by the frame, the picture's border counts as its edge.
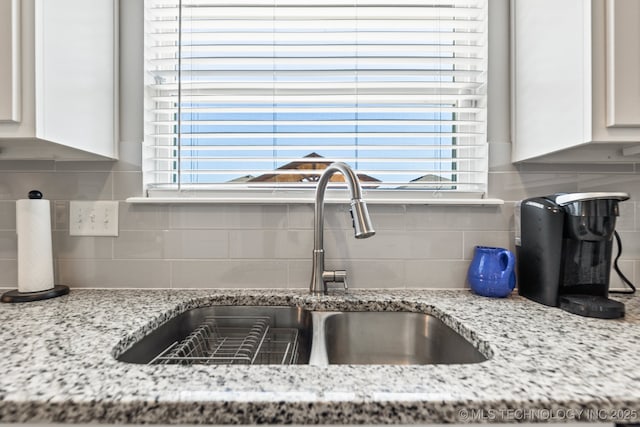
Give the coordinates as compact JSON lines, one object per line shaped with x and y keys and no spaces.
{"x":57,"y":364}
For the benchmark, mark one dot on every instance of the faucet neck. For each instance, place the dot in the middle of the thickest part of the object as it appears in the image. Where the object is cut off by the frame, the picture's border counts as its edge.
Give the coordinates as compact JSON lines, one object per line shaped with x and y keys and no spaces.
{"x":354,"y":190}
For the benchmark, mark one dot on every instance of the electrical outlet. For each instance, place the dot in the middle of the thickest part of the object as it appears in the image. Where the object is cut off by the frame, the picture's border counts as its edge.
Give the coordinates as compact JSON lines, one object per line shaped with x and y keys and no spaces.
{"x":98,"y":218}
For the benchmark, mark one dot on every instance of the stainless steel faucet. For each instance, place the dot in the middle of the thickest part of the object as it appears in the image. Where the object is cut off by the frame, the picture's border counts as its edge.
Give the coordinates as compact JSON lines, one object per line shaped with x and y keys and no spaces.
{"x":361,"y":225}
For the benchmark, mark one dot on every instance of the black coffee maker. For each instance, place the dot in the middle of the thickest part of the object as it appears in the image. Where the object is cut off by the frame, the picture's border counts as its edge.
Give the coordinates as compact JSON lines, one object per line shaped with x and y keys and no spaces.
{"x":563,"y":251}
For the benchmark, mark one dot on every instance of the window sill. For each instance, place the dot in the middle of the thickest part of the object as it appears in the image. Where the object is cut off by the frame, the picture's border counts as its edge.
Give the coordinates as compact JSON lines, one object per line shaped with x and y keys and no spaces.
{"x":307,"y":197}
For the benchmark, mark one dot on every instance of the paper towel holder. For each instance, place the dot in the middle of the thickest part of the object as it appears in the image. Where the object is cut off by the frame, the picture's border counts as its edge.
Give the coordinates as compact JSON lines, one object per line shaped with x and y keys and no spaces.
{"x":17,"y":296}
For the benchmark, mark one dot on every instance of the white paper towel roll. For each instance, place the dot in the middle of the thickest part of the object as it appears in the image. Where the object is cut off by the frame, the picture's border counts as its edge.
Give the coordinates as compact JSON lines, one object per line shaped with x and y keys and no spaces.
{"x":35,"y":255}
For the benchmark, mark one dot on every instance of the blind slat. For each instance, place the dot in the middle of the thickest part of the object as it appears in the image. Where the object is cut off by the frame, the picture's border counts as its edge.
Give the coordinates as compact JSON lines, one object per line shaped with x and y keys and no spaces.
{"x":248,"y":123}
{"x":444,"y":110}
{"x":344,"y":147}
{"x":421,"y":36}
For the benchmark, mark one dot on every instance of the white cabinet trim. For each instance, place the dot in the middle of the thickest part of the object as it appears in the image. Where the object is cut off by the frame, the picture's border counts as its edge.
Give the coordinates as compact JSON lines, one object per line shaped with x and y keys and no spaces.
{"x":622,"y":73}
{"x":10,"y":102}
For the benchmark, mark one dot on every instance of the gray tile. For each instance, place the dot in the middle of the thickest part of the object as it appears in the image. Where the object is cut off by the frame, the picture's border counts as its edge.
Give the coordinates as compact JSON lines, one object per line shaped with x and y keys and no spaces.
{"x":435,"y":245}
{"x":123,"y":164}
{"x":27,"y":165}
{"x":81,"y":247}
{"x":300,"y":216}
{"x":114,"y":273}
{"x":630,"y":245}
{"x":500,"y":157}
{"x":7,"y":215}
{"x":127,"y":184}
{"x":460,"y":217}
{"x":287,"y":244}
{"x":60,"y":215}
{"x":86,"y":166}
{"x":610,"y":182}
{"x":384,"y":245}
{"x":229,"y":274}
{"x":299,"y":273}
{"x":143,"y":217}
{"x":395,"y":245}
{"x":196,"y":244}
{"x":8,"y":245}
{"x":442,"y":274}
{"x":219,"y":216}
{"x":130,"y":155}
{"x":511,"y":186}
{"x":628,"y":269}
{"x":385,"y":217}
{"x":198,"y":216}
{"x":145,"y":244}
{"x":636,"y":272}
{"x":627,"y":219}
{"x":57,"y":186}
{"x":613,"y":168}
{"x":256,"y":216}
{"x":9,"y":276}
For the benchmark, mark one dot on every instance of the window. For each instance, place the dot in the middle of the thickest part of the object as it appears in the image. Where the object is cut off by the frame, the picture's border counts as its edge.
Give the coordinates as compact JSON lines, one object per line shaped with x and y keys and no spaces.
{"x":266,"y":93}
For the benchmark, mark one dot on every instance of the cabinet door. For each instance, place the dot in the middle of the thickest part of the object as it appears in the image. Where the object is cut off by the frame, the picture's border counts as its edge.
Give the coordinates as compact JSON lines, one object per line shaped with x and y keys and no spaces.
{"x":551,"y":76}
{"x":9,"y":61}
{"x":623,"y":63}
{"x":76,"y":73}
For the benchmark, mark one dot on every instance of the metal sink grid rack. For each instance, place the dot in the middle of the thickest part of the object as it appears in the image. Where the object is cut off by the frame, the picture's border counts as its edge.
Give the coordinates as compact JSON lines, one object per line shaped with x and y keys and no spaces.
{"x":244,"y":340}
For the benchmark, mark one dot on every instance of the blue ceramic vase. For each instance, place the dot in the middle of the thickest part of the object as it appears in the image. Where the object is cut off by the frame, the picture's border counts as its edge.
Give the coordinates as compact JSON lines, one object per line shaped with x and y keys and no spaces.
{"x":492,"y":272}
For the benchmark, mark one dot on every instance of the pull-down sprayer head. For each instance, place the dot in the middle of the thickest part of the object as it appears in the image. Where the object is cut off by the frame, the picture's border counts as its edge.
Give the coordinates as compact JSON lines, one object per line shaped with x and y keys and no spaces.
{"x":361,"y":222}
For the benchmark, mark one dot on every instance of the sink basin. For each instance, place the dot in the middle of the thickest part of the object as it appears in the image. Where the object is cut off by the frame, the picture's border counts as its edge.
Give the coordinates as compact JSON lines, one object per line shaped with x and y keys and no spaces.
{"x":289,"y":335}
{"x":228,"y":335}
{"x":397,"y":338}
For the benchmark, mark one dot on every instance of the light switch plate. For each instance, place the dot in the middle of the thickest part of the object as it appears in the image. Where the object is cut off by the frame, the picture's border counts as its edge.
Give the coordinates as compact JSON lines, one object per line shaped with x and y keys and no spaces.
{"x":99,"y":218}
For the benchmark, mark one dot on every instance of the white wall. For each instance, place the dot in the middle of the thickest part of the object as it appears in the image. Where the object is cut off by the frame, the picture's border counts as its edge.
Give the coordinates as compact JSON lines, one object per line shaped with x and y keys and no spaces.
{"x":270,"y":246}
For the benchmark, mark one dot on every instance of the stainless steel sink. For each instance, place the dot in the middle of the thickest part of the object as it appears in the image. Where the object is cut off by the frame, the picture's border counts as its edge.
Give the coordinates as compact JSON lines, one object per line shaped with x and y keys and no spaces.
{"x":290,"y":335}
{"x":228,"y":335}
{"x":396,"y":338}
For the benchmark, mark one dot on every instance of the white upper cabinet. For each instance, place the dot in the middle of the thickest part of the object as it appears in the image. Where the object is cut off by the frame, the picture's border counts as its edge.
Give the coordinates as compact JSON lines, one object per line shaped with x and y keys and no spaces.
{"x":58,"y":79}
{"x":575,"y":80}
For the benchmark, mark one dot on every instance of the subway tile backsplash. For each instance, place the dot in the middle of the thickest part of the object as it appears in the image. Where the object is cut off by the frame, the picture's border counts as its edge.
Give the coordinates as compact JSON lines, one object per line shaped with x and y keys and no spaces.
{"x":269,"y":246}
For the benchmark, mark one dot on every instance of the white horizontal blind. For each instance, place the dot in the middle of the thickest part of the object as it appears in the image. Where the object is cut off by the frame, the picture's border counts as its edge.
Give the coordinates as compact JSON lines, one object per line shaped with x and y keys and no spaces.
{"x":268,"y":92}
